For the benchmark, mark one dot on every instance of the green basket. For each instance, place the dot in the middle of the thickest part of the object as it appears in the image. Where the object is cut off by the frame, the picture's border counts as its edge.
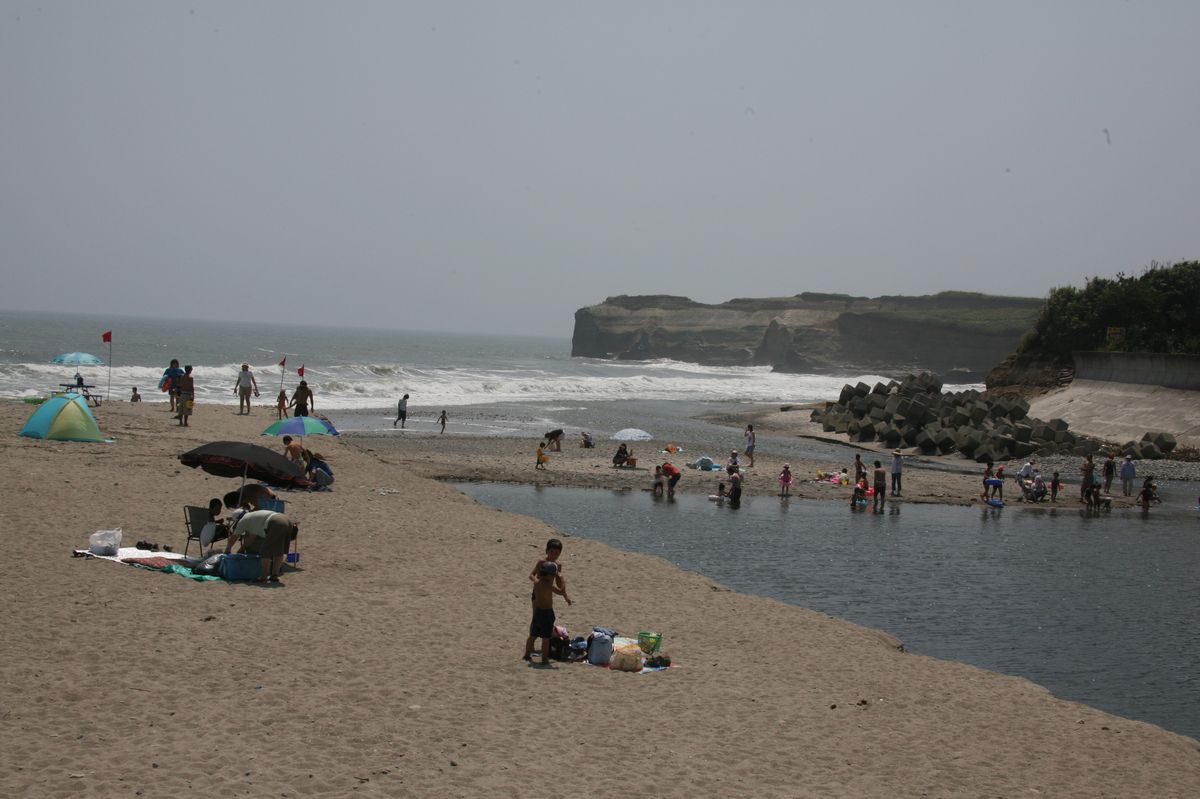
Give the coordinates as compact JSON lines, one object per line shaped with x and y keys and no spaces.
{"x":649,"y":642}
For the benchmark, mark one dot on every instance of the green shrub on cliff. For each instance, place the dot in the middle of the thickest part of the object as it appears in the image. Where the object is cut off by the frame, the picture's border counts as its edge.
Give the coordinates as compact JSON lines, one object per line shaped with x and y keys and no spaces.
{"x":1157,"y":311}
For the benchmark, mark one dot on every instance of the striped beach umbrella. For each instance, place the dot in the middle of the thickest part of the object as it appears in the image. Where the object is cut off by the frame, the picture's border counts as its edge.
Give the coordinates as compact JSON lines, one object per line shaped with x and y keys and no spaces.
{"x":301,"y":426}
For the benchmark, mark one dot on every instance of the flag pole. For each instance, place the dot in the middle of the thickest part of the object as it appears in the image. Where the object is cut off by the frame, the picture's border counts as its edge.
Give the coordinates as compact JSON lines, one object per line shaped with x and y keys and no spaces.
{"x":106,"y":337}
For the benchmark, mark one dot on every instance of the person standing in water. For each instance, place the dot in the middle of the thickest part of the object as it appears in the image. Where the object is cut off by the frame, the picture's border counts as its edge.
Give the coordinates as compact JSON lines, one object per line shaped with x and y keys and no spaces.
{"x":401,"y":412}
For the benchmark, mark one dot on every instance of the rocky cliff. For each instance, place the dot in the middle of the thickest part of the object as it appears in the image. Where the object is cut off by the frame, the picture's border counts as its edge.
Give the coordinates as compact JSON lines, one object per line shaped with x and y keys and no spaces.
{"x":961,"y":335}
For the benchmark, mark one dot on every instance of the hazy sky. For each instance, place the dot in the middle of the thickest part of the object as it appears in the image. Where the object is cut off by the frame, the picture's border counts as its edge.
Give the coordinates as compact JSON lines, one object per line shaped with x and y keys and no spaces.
{"x":494,"y":166}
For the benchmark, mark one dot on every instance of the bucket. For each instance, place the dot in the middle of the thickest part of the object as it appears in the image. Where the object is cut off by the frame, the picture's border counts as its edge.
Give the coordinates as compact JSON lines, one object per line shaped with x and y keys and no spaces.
{"x":293,"y":557}
{"x":649,"y":642}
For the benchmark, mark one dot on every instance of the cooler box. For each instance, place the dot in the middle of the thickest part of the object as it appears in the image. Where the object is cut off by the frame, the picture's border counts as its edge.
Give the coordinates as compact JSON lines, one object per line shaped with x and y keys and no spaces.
{"x":240,"y":567}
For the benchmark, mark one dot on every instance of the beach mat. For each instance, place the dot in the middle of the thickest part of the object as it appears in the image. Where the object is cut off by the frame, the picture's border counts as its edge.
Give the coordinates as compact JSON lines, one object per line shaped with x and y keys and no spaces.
{"x":171,"y":562}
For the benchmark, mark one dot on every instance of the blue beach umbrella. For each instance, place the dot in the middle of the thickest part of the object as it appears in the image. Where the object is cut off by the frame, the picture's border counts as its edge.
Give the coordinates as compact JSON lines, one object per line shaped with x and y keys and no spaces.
{"x":77,"y":359}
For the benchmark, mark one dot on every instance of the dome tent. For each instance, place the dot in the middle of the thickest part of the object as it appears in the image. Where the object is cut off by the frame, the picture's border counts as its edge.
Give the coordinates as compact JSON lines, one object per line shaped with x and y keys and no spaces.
{"x":63,"y":417}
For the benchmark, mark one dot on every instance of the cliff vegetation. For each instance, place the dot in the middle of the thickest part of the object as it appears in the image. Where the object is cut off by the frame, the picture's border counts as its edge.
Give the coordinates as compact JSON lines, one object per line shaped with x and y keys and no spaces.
{"x":1157,"y":311}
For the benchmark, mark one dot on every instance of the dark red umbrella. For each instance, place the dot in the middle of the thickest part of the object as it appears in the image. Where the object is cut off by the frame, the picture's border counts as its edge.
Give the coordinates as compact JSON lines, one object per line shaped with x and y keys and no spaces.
{"x":239,"y":459}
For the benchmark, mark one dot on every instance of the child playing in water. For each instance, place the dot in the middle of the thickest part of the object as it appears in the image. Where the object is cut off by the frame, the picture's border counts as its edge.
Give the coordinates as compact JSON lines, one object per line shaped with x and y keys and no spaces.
{"x":281,"y":404}
{"x":785,"y":481}
{"x":660,"y":481}
{"x":860,"y":492}
{"x":1055,"y":484}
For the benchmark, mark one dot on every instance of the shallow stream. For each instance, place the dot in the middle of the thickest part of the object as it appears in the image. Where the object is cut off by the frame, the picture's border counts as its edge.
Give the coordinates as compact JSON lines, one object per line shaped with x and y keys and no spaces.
{"x":1098,"y":609}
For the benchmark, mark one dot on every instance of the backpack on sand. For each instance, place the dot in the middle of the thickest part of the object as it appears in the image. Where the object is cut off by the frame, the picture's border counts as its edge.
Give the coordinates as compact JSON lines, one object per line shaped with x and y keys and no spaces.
{"x":600,"y":648}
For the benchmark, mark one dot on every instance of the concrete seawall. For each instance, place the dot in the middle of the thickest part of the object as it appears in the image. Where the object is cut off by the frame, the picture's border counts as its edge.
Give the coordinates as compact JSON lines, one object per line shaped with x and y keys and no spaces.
{"x":1170,"y":371}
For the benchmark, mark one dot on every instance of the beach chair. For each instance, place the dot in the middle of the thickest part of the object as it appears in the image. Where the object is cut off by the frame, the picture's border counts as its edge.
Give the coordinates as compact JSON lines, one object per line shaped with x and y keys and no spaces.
{"x":194,"y":519}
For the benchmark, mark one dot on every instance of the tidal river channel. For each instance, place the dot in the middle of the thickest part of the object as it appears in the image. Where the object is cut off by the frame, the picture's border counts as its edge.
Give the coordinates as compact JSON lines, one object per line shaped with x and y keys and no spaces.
{"x":1102,"y":610}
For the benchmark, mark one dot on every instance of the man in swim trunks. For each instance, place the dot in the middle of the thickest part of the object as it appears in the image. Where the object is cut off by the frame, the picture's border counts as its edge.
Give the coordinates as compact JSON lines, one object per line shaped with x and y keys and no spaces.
{"x":302,"y":399}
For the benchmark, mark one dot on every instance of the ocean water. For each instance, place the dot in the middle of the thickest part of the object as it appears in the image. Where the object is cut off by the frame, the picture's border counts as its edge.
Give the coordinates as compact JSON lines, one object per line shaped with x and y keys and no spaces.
{"x":1098,"y":609}
{"x":356,"y":370}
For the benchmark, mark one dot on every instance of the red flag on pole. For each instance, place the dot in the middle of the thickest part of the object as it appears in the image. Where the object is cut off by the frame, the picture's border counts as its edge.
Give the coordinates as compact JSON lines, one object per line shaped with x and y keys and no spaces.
{"x":284,"y":361}
{"x":300,"y":371}
{"x":107,"y":337}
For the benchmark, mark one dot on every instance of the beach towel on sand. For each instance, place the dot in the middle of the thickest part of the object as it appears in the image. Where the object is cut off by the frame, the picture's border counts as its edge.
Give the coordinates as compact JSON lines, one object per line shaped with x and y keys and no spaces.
{"x":149,"y":559}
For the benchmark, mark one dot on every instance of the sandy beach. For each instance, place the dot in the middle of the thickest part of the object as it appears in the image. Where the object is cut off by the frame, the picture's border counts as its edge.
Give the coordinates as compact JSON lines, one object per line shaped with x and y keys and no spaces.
{"x":389,"y":664}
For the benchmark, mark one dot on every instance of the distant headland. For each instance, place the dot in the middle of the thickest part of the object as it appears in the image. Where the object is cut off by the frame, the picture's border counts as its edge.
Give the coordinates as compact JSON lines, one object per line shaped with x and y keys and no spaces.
{"x":960,"y":335}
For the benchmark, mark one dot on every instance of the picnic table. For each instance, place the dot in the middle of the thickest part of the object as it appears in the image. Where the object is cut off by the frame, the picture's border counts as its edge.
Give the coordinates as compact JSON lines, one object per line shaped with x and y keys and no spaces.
{"x":86,"y":390}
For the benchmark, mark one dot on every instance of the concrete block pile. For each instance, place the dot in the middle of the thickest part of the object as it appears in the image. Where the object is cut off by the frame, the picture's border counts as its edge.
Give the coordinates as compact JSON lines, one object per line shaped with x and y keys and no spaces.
{"x":915,"y":413}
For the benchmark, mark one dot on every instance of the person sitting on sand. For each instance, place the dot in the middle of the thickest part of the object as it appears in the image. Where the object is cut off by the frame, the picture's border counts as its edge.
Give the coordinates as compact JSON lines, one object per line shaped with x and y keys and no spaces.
{"x":622,"y":455}
{"x":542,"y":624}
{"x":733,"y":461}
{"x":542,"y":457}
{"x":135,"y":397}
{"x":317,"y":470}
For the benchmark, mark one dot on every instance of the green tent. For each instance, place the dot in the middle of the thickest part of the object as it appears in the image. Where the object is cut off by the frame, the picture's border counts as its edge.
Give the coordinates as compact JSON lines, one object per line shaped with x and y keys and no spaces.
{"x":63,"y":417}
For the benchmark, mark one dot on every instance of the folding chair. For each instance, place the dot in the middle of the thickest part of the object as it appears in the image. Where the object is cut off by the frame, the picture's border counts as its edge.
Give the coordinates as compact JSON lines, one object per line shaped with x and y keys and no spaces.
{"x":194,"y":519}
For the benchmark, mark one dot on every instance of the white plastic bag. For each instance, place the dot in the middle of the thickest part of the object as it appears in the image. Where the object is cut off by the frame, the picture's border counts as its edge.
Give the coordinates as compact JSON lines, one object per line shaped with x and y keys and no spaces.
{"x":105,"y":542}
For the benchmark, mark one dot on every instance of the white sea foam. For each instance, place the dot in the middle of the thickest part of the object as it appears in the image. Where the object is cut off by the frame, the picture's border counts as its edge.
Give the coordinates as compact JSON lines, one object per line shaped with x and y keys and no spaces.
{"x":564,"y":383}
